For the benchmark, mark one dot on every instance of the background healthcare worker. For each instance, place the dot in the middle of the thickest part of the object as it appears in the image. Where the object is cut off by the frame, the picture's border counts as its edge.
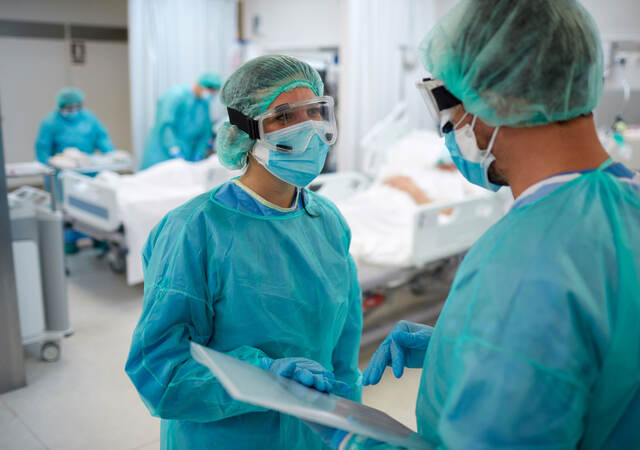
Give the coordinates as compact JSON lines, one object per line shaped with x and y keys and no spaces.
{"x":258,"y":268}
{"x":538,"y":344}
{"x":71,"y":126}
{"x":183,"y":125}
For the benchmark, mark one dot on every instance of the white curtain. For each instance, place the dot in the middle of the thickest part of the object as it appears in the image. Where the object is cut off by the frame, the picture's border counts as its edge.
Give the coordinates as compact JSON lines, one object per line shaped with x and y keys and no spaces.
{"x":172,"y":42}
{"x":379,"y":67}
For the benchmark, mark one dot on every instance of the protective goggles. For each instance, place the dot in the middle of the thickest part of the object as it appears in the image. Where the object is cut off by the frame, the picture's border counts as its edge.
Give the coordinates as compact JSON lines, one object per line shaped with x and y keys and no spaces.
{"x":289,"y":127}
{"x":440,"y":103}
{"x":69,"y":109}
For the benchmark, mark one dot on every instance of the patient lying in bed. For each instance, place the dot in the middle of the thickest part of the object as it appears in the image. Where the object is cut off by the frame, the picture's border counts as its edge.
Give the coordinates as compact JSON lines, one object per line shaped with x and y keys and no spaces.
{"x":381,"y":218}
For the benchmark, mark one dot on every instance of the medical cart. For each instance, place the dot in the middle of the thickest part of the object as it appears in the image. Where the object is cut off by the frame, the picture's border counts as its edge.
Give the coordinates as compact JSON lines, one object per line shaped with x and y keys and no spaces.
{"x":38,"y":251}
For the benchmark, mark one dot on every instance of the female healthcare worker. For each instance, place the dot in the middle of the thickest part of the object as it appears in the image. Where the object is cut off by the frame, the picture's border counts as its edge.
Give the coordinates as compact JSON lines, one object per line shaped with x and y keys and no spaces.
{"x":258,"y":268}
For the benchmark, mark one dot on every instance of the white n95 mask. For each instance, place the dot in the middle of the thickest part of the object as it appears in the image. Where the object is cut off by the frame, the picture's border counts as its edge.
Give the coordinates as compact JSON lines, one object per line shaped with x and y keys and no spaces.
{"x":472,"y":162}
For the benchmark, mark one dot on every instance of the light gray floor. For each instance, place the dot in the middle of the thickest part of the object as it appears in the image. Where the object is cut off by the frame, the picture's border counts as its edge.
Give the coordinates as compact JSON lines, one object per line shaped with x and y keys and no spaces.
{"x":85,"y":400}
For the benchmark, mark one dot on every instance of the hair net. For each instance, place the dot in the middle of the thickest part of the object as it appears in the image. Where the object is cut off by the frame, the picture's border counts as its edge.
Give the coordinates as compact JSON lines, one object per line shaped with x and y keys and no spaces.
{"x":69,"y":96}
{"x":523,"y":63}
{"x":250,"y":90}
{"x":210,"y":80}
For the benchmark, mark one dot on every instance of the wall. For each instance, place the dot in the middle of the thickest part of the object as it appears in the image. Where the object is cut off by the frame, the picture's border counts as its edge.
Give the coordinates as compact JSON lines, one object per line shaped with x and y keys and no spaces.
{"x":33,"y":70}
{"x":317,"y":25}
{"x":95,"y":12}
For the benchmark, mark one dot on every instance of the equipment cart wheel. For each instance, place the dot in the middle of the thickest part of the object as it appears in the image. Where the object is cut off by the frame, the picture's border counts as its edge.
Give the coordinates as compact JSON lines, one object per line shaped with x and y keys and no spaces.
{"x":50,"y":351}
{"x":118,"y":260}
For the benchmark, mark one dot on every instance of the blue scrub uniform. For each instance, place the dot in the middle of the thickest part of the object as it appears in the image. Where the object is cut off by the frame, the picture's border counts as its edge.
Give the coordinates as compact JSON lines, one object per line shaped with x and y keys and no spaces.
{"x":251,"y":283}
{"x":82,"y":131}
{"x":182,"y":124}
{"x":538,"y":344}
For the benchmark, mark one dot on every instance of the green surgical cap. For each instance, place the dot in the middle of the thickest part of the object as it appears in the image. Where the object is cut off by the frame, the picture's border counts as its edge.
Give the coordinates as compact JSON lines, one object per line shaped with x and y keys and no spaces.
{"x":210,"y":80}
{"x":250,"y":90}
{"x":69,"y":96}
{"x":518,"y":63}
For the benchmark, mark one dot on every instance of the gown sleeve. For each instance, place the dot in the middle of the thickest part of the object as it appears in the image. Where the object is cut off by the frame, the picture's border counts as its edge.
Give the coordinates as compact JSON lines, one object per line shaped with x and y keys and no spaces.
{"x":44,"y":141}
{"x":178,"y":309}
{"x":103,"y":142}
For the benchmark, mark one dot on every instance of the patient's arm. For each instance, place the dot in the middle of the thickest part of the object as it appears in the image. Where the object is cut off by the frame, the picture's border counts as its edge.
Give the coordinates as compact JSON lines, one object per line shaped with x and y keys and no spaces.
{"x":449,"y":167}
{"x":407,"y":185}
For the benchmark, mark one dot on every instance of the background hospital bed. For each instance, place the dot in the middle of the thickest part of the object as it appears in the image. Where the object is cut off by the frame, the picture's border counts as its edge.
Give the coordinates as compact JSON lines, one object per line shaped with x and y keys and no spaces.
{"x":91,"y":206}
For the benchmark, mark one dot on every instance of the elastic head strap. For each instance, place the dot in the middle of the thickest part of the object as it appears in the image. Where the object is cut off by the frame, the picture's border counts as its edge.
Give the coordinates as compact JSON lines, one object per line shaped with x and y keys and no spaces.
{"x":493,"y":138}
{"x":460,"y":120}
{"x":246,"y":124}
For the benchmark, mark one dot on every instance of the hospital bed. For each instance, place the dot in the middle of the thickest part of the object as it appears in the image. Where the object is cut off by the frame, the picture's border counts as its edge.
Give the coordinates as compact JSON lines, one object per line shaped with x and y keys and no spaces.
{"x":122,"y":209}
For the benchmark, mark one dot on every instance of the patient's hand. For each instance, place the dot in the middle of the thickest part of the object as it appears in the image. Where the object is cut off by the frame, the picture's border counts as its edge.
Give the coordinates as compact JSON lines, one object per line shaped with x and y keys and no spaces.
{"x":407,"y":185}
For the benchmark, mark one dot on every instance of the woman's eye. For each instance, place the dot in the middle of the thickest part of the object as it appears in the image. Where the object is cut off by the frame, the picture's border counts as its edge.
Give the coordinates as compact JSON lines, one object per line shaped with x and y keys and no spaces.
{"x":282,"y":118}
{"x":314,"y":112}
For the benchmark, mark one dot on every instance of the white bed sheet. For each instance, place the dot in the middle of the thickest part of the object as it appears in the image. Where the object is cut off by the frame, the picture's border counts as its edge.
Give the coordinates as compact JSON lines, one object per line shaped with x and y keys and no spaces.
{"x":381,"y":217}
{"x":146,"y":197}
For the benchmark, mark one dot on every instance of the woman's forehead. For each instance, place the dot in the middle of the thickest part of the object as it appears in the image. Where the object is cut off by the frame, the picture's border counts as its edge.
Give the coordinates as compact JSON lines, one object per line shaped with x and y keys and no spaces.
{"x":294,"y":95}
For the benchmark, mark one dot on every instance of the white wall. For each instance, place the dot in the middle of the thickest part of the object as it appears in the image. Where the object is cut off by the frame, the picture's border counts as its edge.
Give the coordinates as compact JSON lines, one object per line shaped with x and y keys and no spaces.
{"x":94,"y":12}
{"x":33,"y":70}
{"x":293,"y":23}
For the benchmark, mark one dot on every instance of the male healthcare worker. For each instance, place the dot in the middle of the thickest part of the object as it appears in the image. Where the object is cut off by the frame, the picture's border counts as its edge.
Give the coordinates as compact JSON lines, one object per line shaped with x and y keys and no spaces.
{"x":183,"y":126}
{"x":538,"y":344}
{"x":71,"y":126}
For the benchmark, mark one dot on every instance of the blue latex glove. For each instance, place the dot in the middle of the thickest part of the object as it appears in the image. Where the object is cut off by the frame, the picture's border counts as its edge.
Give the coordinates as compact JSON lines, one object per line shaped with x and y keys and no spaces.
{"x":405,"y":346}
{"x":307,"y":372}
{"x":331,"y":436}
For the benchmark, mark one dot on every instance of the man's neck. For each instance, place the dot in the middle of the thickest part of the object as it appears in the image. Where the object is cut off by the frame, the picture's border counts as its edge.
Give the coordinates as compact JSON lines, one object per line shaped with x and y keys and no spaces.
{"x":530,"y":155}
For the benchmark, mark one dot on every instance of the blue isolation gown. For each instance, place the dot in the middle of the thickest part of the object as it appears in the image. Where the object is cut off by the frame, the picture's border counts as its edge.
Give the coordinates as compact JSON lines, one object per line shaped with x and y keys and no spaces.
{"x":182,"y":128}
{"x":225,"y":272}
{"x":538,"y":344}
{"x":82,"y":131}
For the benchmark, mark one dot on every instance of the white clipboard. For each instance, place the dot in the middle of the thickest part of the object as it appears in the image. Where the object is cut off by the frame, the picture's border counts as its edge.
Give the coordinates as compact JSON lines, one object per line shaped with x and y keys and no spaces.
{"x":250,"y":384}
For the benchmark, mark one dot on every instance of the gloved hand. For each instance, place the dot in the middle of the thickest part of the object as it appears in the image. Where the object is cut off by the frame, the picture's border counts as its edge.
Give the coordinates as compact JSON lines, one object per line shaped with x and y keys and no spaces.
{"x":307,"y":372}
{"x":331,"y":436}
{"x":405,"y":346}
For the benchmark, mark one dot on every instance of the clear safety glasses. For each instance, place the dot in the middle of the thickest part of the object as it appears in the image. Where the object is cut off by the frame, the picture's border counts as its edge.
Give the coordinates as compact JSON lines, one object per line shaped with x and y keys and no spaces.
{"x":440,"y":102}
{"x":70,"y":109}
{"x":289,"y":127}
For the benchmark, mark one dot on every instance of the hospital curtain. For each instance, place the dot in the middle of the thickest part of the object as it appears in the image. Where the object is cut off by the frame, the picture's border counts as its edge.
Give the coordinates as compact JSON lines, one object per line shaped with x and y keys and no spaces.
{"x":379,"y":67}
{"x":173,"y":42}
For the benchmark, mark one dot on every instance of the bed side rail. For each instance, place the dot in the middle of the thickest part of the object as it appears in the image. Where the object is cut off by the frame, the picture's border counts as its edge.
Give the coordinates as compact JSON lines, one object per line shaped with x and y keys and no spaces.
{"x":438,"y":234}
{"x":376,"y":143}
{"x":339,"y":185}
{"x":90,"y":201}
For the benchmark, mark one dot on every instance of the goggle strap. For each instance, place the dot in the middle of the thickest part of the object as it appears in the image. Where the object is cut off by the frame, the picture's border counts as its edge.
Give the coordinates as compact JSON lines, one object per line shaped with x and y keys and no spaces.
{"x":246,"y":124}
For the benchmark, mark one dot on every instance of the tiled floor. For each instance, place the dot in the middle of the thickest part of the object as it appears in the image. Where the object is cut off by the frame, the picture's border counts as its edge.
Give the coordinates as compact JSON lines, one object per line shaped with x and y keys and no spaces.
{"x":85,"y":400}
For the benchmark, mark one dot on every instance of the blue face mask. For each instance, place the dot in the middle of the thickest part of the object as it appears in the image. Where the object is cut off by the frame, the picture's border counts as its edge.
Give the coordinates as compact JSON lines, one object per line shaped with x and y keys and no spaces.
{"x":472,"y":162}
{"x":70,"y":115}
{"x":300,"y":168}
